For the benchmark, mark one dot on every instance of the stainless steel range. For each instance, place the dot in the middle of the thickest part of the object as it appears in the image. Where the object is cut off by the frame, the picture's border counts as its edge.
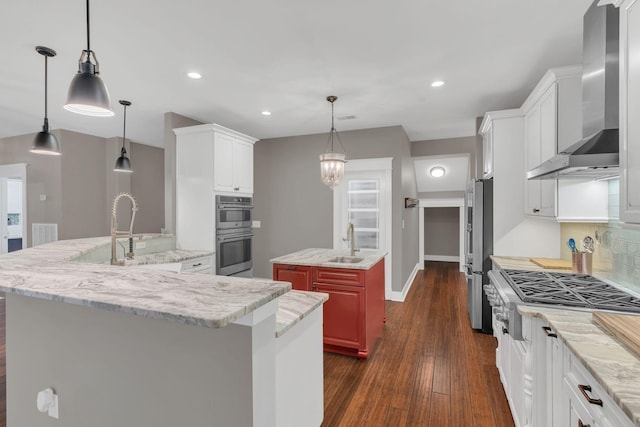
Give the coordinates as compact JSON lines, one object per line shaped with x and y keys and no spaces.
{"x":510,"y":288}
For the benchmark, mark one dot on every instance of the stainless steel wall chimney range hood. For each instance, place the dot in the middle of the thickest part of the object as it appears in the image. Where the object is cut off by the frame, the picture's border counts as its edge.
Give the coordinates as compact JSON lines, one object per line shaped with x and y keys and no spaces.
{"x":597,"y":154}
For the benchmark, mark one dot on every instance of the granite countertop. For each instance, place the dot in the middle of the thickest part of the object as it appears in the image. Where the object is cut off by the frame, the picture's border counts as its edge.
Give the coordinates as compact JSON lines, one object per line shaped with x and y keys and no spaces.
{"x":317,"y":257}
{"x":612,"y":365}
{"x":48,"y":272}
{"x":295,"y":306}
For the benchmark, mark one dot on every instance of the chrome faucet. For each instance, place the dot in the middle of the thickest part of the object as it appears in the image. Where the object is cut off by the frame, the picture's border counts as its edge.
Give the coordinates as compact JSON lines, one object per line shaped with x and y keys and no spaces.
{"x":351,"y":237}
{"x":127,"y":234}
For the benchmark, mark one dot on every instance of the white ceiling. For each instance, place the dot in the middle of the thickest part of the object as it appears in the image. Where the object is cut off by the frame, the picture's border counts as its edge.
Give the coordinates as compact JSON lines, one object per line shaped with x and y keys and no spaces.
{"x":379,"y":58}
{"x":455,"y":178}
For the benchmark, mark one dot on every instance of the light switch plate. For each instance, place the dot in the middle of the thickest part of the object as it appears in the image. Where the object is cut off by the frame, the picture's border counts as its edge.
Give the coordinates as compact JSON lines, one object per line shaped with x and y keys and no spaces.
{"x":256,"y":224}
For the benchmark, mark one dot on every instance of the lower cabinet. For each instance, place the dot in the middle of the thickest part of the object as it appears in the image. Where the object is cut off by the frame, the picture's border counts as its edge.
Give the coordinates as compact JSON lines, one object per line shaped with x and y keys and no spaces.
{"x":354,"y":315}
{"x":547,"y":385}
{"x":298,"y":275}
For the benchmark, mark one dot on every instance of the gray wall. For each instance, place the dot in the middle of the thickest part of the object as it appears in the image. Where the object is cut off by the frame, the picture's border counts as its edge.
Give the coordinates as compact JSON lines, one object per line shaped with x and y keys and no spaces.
{"x":172,"y":121}
{"x":442,"y":231}
{"x":79,"y":185}
{"x":296,"y":209}
{"x":147,"y":186}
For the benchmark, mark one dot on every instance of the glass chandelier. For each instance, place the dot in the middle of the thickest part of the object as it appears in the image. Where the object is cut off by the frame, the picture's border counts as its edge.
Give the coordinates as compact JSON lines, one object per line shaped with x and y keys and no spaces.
{"x":332,"y":162}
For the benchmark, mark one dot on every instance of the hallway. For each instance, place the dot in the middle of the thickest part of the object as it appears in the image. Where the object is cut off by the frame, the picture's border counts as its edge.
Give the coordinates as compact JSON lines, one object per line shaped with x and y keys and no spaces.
{"x":429,"y":369}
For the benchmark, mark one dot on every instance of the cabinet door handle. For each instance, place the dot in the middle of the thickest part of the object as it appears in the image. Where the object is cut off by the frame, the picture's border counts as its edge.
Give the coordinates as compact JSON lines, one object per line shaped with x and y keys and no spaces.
{"x":581,"y":424}
{"x":505,"y":330}
{"x":547,"y":330}
{"x":587,"y":388}
{"x":313,"y":287}
{"x":536,"y":210}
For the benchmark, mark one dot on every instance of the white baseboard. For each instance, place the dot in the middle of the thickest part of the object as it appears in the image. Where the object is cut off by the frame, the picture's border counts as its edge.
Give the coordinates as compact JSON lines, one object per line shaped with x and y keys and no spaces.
{"x":445,"y":258}
{"x":400,"y":296}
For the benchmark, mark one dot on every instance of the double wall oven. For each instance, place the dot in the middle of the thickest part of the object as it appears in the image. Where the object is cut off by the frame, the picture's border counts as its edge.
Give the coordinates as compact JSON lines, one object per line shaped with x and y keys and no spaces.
{"x":234,"y":236}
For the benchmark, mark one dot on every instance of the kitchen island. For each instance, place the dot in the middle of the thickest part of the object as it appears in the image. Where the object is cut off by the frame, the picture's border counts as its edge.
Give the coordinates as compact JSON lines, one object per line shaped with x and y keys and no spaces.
{"x":354,"y":315}
{"x":130,"y":347}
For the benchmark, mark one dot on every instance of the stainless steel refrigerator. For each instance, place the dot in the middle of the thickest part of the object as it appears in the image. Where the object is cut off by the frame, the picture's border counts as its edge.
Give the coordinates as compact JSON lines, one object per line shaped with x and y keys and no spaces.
{"x":478,"y":250}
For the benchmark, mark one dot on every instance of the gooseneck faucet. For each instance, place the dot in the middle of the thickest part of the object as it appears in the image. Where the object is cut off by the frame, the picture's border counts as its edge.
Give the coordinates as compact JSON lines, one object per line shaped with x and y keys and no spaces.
{"x":127,"y":234}
{"x":351,"y":237}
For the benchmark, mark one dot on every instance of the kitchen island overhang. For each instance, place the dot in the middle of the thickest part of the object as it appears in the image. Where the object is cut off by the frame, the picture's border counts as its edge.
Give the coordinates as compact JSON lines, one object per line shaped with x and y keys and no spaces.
{"x":125,"y":346}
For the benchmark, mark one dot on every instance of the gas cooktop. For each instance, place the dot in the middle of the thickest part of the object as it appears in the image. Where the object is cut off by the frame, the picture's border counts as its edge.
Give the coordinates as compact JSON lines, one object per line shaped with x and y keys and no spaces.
{"x":578,"y":290}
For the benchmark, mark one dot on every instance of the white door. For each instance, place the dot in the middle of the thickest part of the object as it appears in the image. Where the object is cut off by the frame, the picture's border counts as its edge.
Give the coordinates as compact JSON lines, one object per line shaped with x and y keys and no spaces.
{"x":363,"y":199}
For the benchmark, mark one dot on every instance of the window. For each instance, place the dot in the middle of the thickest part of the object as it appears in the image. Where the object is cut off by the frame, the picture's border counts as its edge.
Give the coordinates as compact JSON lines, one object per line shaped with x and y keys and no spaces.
{"x":363,"y":210}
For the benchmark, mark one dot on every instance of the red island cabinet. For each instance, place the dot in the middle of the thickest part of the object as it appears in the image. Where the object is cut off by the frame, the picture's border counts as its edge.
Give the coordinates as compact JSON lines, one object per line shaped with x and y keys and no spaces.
{"x":354,"y":315}
{"x":298,"y":275}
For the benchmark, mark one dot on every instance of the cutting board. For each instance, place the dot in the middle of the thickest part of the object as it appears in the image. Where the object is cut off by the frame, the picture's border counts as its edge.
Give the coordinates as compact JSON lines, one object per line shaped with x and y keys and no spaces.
{"x":552,"y":263}
{"x":623,"y":327}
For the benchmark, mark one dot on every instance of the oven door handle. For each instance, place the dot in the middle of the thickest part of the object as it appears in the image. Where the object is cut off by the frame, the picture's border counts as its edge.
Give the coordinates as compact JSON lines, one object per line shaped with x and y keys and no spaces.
{"x":232,"y":206}
{"x":234,"y":237}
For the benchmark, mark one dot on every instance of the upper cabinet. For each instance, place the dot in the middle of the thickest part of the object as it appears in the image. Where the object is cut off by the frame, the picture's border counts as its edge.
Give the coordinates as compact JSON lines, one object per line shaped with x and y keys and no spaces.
{"x":629,"y":112}
{"x":233,"y":163}
{"x":553,"y":122}
{"x":487,"y":151}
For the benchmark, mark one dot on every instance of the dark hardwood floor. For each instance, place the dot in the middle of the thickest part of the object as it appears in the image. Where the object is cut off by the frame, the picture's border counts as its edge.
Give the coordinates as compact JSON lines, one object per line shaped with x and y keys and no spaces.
{"x":429,"y":369}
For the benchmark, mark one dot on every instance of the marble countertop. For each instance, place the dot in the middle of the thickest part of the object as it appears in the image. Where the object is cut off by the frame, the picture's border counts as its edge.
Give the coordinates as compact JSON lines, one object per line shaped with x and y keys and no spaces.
{"x":295,"y":306}
{"x":317,"y":257}
{"x":165,"y":257}
{"x":612,"y":365}
{"x":48,"y":272}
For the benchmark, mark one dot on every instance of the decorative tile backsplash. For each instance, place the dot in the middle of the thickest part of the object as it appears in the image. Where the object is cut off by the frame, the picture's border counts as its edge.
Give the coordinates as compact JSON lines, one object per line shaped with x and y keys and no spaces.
{"x":617,"y":251}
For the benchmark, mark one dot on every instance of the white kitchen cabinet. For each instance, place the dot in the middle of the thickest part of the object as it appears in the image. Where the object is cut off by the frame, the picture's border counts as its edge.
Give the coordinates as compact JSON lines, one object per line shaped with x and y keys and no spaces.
{"x":209,"y":159}
{"x":584,"y":399}
{"x":553,"y":122}
{"x":233,"y":164}
{"x":487,"y":152}
{"x":629,"y":112}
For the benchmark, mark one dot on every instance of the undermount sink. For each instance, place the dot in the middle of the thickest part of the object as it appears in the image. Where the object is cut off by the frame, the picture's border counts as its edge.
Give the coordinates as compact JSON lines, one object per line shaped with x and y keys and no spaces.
{"x":346,"y":259}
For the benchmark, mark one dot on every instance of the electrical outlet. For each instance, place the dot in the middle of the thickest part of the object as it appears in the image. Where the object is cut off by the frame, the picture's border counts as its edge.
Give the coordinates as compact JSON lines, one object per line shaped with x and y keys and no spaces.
{"x":256,"y":224}
{"x":141,"y":245}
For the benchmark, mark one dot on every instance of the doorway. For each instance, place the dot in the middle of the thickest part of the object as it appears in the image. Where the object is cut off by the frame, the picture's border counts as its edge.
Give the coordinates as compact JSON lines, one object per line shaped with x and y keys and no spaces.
{"x":458,"y":205}
{"x":363,"y":198}
{"x":13,"y":207}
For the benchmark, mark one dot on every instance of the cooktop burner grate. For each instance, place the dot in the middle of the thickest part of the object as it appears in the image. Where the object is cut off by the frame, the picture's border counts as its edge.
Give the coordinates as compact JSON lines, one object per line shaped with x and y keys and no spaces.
{"x":578,"y":290}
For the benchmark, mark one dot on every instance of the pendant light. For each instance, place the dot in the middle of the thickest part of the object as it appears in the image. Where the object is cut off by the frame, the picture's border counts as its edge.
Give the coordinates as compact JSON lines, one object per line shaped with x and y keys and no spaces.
{"x":332,"y":162}
{"x":45,"y":142}
{"x":88,"y":94}
{"x":123,"y":164}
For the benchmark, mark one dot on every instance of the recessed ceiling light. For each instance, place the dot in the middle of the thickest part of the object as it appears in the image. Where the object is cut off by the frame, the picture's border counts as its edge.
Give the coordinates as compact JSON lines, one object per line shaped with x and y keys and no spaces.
{"x":437,"y":83}
{"x":194,"y":75}
{"x":437,"y":172}
{"x":266,"y":113}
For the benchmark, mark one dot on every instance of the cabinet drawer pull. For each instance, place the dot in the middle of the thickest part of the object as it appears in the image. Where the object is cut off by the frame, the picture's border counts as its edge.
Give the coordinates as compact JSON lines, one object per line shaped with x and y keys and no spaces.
{"x":236,"y":188}
{"x":536,"y":210}
{"x":291,"y":267}
{"x":581,"y":424}
{"x":547,"y":330}
{"x":505,"y":330}
{"x":587,"y":388}
{"x":196,"y":265}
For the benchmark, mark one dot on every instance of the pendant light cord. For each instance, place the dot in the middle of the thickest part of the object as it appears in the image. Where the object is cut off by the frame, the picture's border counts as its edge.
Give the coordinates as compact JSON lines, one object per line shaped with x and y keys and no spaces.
{"x":46,"y":91}
{"x":124,"y":129}
{"x":88,"y":39}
